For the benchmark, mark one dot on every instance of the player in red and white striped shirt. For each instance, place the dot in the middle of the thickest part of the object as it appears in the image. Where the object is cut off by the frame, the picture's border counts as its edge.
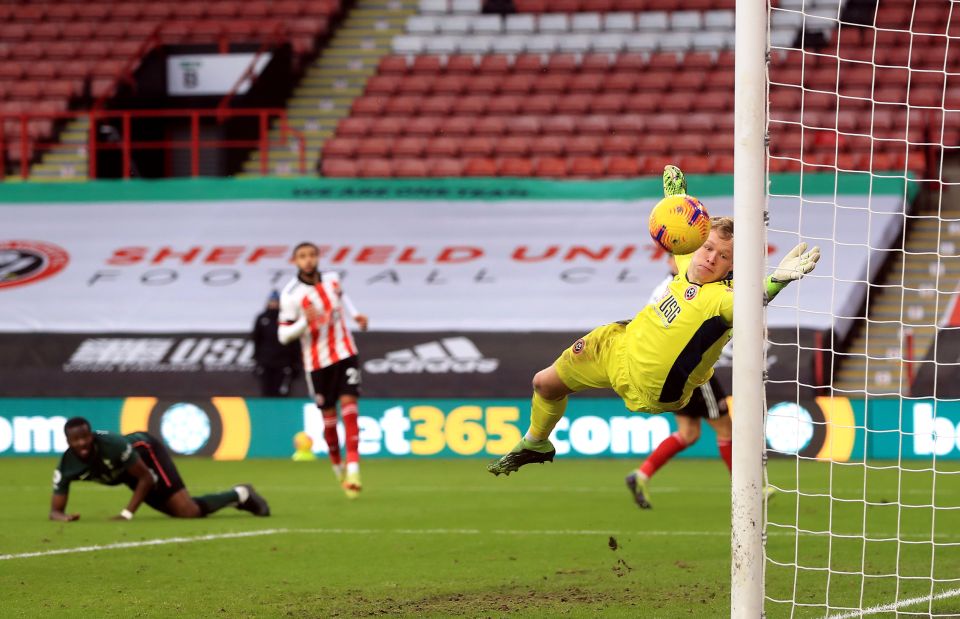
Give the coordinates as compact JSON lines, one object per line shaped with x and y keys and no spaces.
{"x":312,"y":308}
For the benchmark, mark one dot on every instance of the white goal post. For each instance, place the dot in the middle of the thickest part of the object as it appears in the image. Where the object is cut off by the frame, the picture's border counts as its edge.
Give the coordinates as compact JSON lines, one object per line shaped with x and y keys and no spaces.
{"x":847,"y":136}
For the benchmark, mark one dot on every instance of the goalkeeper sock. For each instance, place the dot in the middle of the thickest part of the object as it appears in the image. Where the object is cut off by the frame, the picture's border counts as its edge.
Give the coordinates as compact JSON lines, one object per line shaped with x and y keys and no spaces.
{"x":671,"y":446}
{"x":544,"y":415}
{"x":726,"y":452}
{"x":210,"y":503}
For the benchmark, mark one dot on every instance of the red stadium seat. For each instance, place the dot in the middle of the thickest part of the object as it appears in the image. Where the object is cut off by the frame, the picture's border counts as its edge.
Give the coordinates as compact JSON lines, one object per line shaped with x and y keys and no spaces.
{"x":507,"y":105}
{"x":386,"y":126}
{"x":623,"y":167}
{"x":375,"y":168}
{"x":480,"y":167}
{"x":424,"y":126}
{"x":371,"y":105}
{"x":586,"y":167}
{"x":339,"y":168}
{"x":440,"y":147}
{"x":619,"y":145}
{"x":445,"y":167}
{"x":409,"y":147}
{"x":512,"y":146}
{"x":477,"y":146}
{"x":471,"y":105}
{"x":490,"y":125}
{"x":515,"y":167}
{"x":550,"y":167}
{"x":372,"y":147}
{"x":410,"y":168}
{"x":404,"y":105}
{"x":583,"y":145}
{"x":339,"y":148}
{"x":426,"y":65}
{"x":439,"y":105}
{"x":457,"y":126}
{"x":549,"y":145}
{"x":393,"y":65}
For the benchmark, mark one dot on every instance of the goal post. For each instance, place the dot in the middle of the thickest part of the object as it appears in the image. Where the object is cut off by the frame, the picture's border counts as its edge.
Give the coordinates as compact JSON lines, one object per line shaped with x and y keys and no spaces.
{"x":750,"y":204}
{"x":846,"y":388}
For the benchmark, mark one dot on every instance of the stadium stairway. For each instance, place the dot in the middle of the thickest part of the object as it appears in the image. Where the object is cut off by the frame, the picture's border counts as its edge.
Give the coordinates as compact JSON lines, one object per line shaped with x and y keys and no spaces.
{"x":67,"y":160}
{"x":335,"y":79}
{"x":910,"y":297}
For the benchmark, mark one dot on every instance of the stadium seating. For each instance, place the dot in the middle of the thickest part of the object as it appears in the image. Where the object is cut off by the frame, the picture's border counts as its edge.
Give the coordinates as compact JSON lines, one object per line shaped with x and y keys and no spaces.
{"x":55,"y":54}
{"x":576,"y":88}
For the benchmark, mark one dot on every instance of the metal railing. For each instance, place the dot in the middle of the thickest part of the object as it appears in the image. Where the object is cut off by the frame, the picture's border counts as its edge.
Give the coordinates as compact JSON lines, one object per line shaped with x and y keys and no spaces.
{"x":27,"y":144}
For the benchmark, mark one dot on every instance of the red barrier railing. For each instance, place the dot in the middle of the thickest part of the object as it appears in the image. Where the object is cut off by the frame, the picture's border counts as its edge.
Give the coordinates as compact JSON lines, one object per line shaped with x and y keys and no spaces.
{"x":23,"y":148}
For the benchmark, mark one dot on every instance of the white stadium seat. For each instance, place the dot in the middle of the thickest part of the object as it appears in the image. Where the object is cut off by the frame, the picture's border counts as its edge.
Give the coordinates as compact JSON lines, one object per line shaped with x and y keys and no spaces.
{"x":611,"y":42}
{"x":575,"y":43}
{"x":466,"y":6}
{"x":671,"y":41}
{"x":486,"y":24}
{"x":441,"y":45}
{"x":477,"y":44}
{"x":434,"y":7}
{"x":785,"y":18}
{"x":783,"y":37}
{"x":455,"y":24}
{"x":508,"y":44}
{"x":520,"y":24}
{"x":719,"y":20}
{"x":642,"y":42}
{"x":716,"y":40}
{"x":408,"y":44}
{"x":542,"y":44}
{"x":620,"y":22}
{"x":553,"y":23}
{"x":686,"y":20}
{"x":586,"y":22}
{"x":422,"y":24}
{"x":653,"y":21}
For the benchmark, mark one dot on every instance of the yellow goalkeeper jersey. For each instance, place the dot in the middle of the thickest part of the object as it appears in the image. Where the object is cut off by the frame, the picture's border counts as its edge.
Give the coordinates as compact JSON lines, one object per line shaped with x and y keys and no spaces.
{"x":673,"y":343}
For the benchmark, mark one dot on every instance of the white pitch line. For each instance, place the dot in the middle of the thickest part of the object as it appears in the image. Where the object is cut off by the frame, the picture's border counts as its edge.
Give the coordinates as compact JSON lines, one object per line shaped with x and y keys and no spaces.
{"x":345,"y":531}
{"x":140,"y":544}
{"x":886,"y":608}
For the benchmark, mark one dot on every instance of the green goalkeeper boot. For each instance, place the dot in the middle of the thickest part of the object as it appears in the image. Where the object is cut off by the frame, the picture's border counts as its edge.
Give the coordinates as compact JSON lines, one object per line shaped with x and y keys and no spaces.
{"x":674,"y":182}
{"x":525,"y":452}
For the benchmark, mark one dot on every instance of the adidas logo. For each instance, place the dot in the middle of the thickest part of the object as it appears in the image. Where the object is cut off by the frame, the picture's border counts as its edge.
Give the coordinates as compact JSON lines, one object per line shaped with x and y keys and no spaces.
{"x":456,"y":355}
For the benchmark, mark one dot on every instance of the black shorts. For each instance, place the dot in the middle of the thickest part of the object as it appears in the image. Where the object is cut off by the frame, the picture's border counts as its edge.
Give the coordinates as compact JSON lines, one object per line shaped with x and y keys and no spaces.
{"x":328,"y":384}
{"x":709,"y":401}
{"x":167,"y":479}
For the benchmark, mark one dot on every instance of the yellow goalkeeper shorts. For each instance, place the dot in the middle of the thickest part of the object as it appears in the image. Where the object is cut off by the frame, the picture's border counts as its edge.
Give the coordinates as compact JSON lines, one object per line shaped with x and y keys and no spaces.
{"x":597,"y":361}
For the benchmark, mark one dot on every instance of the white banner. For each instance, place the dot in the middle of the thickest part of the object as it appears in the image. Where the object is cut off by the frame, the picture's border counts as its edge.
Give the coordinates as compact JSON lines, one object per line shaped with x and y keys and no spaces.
{"x":411,"y":266}
{"x":210,"y":74}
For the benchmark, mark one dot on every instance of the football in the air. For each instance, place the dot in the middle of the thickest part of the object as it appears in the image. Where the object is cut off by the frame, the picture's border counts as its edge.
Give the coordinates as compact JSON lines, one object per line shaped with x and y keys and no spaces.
{"x":679,"y":224}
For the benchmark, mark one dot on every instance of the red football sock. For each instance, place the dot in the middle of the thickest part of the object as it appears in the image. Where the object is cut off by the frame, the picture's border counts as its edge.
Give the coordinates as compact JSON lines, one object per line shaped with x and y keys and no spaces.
{"x":726,"y":452}
{"x":330,"y":435}
{"x":670,"y":447}
{"x":349,"y":413}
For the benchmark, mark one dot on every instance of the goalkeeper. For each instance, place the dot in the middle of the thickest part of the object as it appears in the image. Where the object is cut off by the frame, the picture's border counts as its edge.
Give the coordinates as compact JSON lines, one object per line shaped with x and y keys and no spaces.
{"x":655,"y":361}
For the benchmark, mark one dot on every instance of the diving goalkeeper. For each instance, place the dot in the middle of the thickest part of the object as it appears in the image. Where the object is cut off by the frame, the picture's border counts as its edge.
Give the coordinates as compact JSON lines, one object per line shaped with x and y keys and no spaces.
{"x":655,"y":361}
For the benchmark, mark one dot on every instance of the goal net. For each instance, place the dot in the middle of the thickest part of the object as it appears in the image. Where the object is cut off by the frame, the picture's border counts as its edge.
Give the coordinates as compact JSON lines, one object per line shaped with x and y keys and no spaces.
{"x":863,"y":439}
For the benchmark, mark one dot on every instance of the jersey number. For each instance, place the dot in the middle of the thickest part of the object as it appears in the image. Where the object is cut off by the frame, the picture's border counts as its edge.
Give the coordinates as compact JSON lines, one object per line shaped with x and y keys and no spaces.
{"x":353,"y":376}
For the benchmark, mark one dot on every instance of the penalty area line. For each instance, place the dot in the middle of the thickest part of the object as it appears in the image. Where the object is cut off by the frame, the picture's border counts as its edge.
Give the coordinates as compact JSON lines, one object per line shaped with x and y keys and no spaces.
{"x":887,"y":608}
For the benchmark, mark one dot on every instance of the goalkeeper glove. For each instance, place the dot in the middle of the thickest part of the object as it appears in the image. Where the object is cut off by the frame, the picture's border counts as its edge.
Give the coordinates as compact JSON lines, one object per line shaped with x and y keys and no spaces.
{"x":797,"y":263}
{"x":674,"y":183}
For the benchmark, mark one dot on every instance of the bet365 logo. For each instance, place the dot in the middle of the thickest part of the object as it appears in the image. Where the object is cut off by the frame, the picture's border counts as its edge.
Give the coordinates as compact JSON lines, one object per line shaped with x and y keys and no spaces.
{"x":25,"y":262}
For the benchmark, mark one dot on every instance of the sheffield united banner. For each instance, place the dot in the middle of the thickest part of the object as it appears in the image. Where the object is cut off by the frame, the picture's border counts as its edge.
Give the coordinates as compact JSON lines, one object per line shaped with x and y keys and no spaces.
{"x":169,"y":263}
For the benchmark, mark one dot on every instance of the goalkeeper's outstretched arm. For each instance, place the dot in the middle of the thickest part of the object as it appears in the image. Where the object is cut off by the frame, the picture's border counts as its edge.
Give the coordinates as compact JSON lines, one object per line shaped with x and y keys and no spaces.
{"x":797,"y":263}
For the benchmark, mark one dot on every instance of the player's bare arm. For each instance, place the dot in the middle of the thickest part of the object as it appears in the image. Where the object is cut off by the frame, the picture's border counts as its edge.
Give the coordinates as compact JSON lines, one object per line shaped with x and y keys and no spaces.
{"x":145,"y":483}
{"x":58,"y":507}
{"x":362,"y":321}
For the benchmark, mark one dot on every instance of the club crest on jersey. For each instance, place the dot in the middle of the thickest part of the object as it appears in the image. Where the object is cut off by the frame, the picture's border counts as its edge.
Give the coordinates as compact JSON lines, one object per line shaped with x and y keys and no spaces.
{"x":690,"y":293}
{"x":578,"y":346}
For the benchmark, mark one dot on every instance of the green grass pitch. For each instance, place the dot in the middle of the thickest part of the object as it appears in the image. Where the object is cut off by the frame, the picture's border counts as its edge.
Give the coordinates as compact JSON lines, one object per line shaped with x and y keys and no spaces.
{"x":441,"y":538}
